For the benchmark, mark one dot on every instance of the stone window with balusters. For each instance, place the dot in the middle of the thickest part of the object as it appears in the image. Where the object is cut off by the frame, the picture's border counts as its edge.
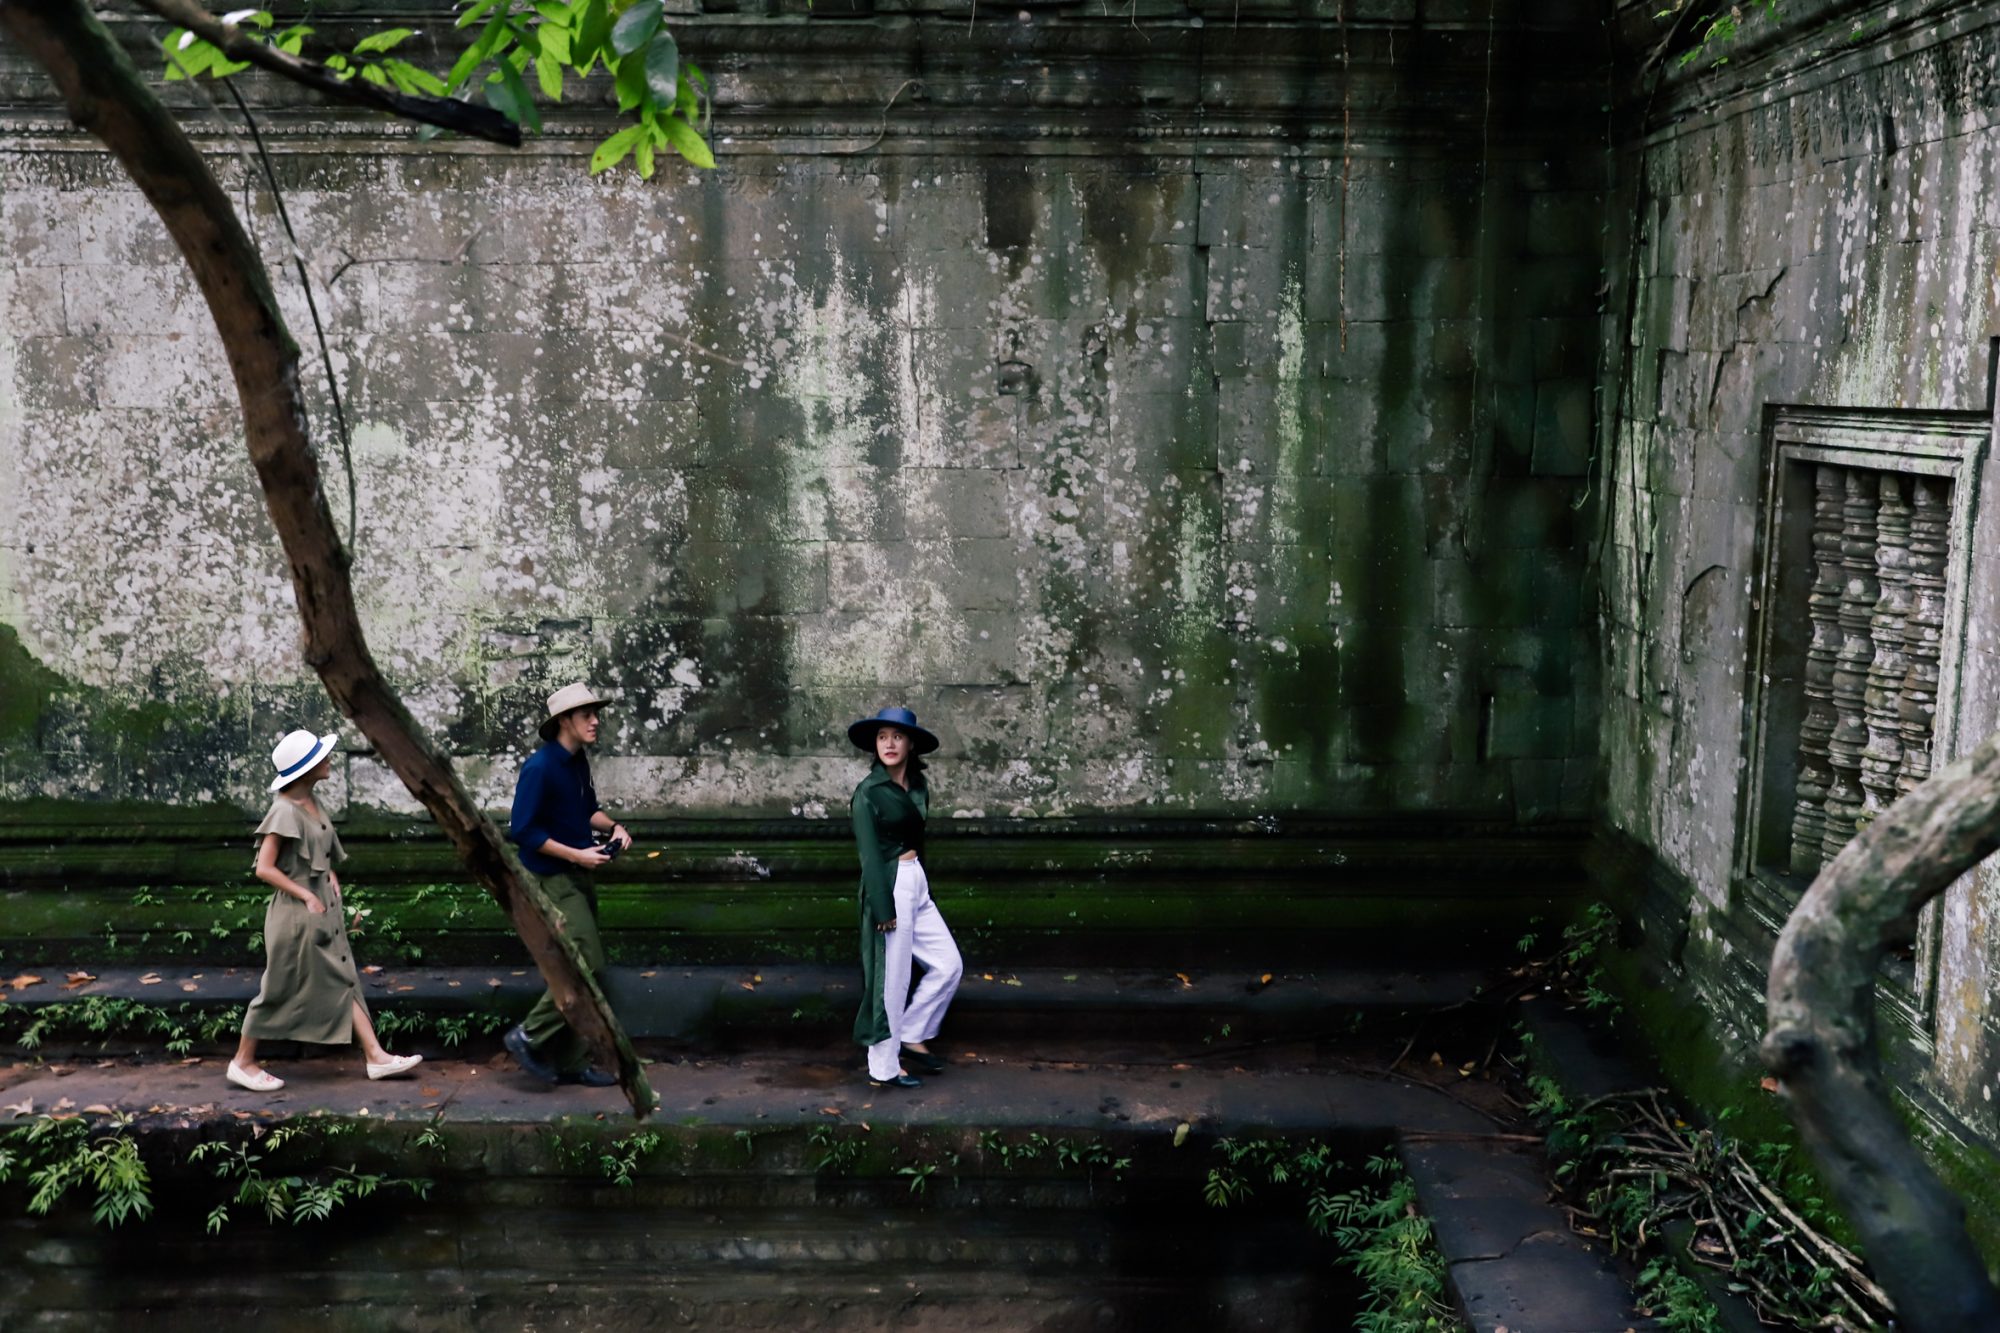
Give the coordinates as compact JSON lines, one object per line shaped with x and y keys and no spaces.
{"x":1855,"y":626}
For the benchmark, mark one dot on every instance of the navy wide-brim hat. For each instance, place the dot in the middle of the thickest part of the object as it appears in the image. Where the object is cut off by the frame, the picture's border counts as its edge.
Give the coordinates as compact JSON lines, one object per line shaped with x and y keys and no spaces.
{"x":862,"y":733}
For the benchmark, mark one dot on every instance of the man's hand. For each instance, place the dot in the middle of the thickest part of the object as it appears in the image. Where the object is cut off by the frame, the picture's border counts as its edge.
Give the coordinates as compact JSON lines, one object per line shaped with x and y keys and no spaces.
{"x":590,"y":858}
{"x":619,"y":835}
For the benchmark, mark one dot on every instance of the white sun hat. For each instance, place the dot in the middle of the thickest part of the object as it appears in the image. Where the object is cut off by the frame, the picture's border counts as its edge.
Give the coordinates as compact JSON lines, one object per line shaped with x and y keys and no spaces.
{"x":295,"y":756}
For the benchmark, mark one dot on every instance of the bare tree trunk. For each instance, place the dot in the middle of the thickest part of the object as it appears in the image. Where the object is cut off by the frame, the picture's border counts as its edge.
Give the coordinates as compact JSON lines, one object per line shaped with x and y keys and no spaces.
{"x":106,"y":96}
{"x":1822,"y":1039}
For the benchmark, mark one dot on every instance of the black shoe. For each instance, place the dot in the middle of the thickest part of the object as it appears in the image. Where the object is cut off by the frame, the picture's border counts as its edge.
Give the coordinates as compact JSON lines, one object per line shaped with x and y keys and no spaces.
{"x":924,"y":1060}
{"x":516,"y":1042}
{"x":590,"y":1076}
{"x":900,"y":1081}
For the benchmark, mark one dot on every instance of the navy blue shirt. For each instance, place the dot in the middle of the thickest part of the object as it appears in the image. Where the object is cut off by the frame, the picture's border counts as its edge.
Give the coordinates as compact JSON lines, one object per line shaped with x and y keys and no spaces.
{"x":554,"y":799}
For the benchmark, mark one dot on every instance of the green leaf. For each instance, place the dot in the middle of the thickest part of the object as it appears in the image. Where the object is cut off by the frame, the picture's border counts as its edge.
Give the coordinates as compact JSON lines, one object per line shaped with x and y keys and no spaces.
{"x":631,"y":84}
{"x":417,"y":77}
{"x":635,"y":27}
{"x":373,"y":74}
{"x":554,"y":11}
{"x":500,"y":96}
{"x":593,"y":30}
{"x":686,"y":142}
{"x":511,"y":77}
{"x":694,"y":72}
{"x":663,"y":68}
{"x":613,"y":150}
{"x":555,"y":42}
{"x":383,"y":41}
{"x":187,"y":55}
{"x":548,"y":72}
{"x":476,"y":13}
{"x":643,"y":156}
{"x":493,"y":38}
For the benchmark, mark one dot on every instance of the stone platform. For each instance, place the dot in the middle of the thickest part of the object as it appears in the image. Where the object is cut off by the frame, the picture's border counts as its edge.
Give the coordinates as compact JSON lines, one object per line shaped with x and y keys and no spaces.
{"x":951,"y":1207}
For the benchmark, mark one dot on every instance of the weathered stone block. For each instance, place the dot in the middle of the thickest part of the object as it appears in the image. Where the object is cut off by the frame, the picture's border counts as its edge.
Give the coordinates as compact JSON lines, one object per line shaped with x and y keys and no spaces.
{"x":1563,"y":422}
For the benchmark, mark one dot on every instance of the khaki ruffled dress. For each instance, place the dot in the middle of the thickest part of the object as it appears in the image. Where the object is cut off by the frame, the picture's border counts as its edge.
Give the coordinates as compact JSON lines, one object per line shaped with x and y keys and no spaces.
{"x":310,"y":986}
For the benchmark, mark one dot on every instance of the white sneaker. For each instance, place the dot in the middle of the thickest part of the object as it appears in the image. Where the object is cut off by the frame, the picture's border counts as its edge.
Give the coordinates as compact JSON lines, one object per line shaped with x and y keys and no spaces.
{"x":394,"y":1065}
{"x":261,"y":1081}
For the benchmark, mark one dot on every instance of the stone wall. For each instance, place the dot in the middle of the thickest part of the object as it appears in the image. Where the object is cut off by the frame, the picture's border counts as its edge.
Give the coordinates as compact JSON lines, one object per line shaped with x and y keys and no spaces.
{"x":1174,"y":422}
{"x":1813,"y":239}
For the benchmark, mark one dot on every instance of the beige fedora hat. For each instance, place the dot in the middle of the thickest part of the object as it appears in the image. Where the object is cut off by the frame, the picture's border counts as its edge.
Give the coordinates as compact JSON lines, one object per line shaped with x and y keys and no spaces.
{"x":564,"y":700}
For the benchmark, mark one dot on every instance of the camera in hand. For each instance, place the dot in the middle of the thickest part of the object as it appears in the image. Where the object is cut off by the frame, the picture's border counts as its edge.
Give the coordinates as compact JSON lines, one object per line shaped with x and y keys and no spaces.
{"x":611,"y":848}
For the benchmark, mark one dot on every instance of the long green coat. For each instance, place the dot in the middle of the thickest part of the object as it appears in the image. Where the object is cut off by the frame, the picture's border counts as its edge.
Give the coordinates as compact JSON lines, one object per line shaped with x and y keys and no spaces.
{"x":888,"y":821}
{"x":310,"y":987}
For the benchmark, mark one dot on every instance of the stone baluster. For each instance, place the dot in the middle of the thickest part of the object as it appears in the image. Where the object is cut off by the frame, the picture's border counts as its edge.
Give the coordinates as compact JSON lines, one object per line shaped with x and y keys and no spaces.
{"x":1816,"y":728}
{"x":1850,"y":670}
{"x":1882,"y":761}
{"x":1923,"y":633}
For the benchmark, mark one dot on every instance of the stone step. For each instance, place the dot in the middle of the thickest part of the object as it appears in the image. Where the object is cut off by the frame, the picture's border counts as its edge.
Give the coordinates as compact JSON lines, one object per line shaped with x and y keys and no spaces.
{"x":738,"y":1214}
{"x":792,"y":1003}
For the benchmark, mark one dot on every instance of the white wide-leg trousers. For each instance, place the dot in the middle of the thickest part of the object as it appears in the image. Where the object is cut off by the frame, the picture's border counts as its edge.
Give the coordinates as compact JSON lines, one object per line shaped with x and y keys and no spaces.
{"x":921,"y":934}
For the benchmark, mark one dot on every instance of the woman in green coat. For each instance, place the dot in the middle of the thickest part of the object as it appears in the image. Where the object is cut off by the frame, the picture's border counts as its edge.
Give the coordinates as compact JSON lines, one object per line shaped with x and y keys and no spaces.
{"x":310,"y":991}
{"x":899,"y":921}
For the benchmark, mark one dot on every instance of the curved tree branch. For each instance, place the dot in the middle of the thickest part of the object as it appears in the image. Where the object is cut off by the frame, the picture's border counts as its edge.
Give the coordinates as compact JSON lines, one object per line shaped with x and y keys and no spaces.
{"x":1821,"y":1040}
{"x":445,"y":112}
{"x":106,"y":96}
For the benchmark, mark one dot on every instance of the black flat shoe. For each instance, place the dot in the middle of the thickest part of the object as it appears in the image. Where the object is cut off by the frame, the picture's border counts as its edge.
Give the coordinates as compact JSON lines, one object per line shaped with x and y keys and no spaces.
{"x":900,"y":1081}
{"x":516,"y":1042}
{"x":924,"y":1060}
{"x":590,"y":1076}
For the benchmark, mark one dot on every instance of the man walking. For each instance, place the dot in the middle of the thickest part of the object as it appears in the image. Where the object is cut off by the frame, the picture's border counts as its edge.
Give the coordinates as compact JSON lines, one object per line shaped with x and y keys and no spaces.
{"x":555,"y":810}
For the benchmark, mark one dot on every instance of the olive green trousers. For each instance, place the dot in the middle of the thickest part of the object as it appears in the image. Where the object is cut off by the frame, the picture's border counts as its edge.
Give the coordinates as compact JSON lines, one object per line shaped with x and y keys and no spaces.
{"x":549,"y":1036}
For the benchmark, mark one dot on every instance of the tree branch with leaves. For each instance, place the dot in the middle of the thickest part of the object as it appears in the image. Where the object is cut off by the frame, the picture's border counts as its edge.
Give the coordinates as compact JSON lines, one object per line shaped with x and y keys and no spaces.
{"x":554,"y":42}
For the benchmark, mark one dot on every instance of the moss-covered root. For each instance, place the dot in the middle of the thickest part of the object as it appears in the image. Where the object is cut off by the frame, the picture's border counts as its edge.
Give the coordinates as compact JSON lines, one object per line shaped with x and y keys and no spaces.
{"x":1821,"y":1040}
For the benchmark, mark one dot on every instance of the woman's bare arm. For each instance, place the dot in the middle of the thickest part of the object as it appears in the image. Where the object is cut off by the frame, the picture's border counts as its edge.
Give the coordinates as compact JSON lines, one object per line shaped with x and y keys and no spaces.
{"x":267,"y":870}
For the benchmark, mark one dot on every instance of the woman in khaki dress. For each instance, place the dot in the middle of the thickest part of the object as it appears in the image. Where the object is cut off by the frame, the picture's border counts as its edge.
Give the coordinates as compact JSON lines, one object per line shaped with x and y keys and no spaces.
{"x":310,"y":991}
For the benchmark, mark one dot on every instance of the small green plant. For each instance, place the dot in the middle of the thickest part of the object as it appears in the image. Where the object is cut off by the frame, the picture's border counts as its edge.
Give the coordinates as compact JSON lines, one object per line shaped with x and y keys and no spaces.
{"x":1389,"y":1246}
{"x":621,"y":1158}
{"x":311,"y":1192}
{"x":837,"y":1152}
{"x":58,"y":1155}
{"x":1676,"y":1300}
{"x":919,"y":1174}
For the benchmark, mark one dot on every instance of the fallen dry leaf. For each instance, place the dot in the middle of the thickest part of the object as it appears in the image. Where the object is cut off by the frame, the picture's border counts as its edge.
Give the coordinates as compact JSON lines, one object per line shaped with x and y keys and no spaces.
{"x":404,"y":988}
{"x":65,"y":1104}
{"x":430,"y":1092}
{"x":495,"y":981}
{"x":746,"y":985}
{"x":97,"y":1108}
{"x":829,"y":1110}
{"x":24,"y":1107}
{"x":23,"y":981}
{"x":1184,"y":979}
{"x":652,"y":856}
{"x":372,"y":969}
{"x":1181,"y":1133}
{"x":1265,"y":979}
{"x":1437,"y":1060}
{"x":78,"y":979}
{"x":452,"y":983}
{"x":189,"y":986}
{"x":649,"y":974}
{"x":150,"y":979}
{"x":1768,"y":1084}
